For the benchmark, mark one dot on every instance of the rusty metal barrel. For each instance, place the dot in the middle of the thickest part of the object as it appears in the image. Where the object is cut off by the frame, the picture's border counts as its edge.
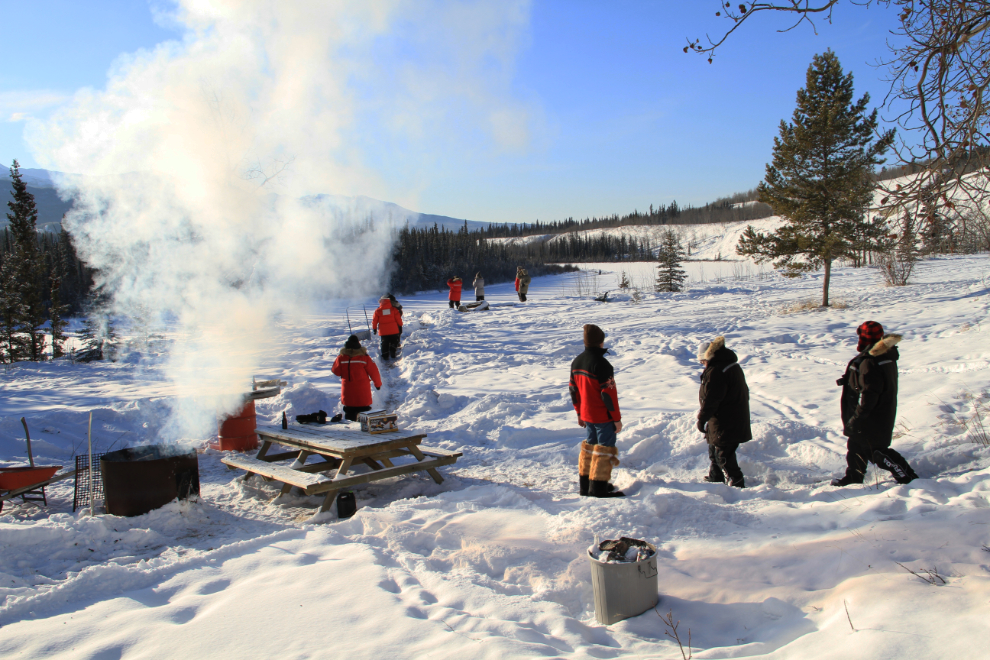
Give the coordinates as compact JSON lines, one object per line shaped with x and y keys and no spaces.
{"x":236,"y":431}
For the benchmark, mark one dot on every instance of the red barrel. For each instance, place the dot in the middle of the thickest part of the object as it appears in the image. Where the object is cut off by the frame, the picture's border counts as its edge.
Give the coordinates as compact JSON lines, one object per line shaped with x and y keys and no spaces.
{"x":236,"y":432}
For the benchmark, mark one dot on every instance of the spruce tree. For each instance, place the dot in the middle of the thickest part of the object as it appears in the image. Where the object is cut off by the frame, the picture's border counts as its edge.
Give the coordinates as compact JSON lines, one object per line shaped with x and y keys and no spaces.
{"x":56,"y":313}
{"x":820,"y":178}
{"x":28,"y":263}
{"x":12,"y":314}
{"x":670,"y":277}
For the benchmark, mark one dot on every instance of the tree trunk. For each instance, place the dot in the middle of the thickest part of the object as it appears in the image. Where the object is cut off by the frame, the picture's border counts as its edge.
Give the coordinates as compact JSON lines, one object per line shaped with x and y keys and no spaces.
{"x":828,"y":276}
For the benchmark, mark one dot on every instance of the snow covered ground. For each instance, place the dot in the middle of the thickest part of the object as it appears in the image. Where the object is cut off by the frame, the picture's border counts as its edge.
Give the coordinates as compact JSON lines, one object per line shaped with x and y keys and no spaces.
{"x":492,"y":562}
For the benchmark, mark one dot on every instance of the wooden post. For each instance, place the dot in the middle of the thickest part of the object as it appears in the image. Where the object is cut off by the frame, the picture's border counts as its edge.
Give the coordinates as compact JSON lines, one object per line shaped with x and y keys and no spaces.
{"x":28,"y":435}
{"x":89,"y":438}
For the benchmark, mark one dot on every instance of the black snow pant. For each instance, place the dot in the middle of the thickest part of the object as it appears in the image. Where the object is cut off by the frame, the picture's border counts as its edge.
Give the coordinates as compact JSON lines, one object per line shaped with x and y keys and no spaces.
{"x":390,"y":346}
{"x":861,"y":452}
{"x":724,"y":465}
{"x":351,"y":412}
{"x":522,"y":297}
{"x":454,"y":303}
{"x":478,"y":298}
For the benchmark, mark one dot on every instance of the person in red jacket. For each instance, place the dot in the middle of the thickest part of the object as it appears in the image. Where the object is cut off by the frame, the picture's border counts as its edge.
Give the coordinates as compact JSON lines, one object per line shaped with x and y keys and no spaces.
{"x":357,"y":371}
{"x":455,"y":285}
{"x":596,"y":401}
{"x":387,"y":323}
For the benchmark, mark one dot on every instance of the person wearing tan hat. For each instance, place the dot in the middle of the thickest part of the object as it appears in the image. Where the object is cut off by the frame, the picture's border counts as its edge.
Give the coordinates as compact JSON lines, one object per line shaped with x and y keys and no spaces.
{"x":724,"y":413}
{"x":596,"y":401}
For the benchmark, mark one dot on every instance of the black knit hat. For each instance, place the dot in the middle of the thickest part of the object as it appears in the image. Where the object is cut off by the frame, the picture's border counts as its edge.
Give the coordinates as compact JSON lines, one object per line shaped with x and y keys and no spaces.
{"x":353,"y":342}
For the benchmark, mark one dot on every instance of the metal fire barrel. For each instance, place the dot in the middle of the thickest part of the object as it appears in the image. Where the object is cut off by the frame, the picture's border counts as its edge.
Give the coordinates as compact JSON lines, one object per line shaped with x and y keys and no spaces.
{"x":137,"y":480}
{"x":236,"y":432}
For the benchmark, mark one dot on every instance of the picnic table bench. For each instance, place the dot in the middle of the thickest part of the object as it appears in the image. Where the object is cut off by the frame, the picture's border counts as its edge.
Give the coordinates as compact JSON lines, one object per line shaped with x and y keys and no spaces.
{"x":340,"y":449}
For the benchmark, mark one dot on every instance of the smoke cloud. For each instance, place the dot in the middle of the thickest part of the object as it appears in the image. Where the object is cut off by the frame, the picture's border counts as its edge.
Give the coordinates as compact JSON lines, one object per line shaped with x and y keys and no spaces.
{"x":193,"y":161}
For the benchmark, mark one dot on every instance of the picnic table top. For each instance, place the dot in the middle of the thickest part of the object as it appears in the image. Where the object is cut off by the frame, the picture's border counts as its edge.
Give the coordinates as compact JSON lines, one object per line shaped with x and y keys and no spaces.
{"x":338,"y":441}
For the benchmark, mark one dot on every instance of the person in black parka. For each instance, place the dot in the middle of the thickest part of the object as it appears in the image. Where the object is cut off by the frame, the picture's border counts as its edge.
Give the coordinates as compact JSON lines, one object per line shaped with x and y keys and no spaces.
{"x":724,"y":414}
{"x":869,"y":406}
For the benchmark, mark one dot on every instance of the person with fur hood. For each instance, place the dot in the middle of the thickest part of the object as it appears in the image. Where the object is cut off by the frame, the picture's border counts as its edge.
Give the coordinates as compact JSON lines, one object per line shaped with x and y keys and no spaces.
{"x":724,"y":413}
{"x":387,"y":323}
{"x":357,"y":371}
{"x":479,"y":287}
{"x":869,"y":406}
{"x":455,"y":285}
{"x":522,"y":283}
{"x":596,"y":401}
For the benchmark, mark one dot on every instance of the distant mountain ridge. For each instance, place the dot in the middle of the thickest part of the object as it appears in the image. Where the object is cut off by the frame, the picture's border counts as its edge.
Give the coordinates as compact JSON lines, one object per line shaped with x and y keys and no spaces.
{"x":51,"y":207}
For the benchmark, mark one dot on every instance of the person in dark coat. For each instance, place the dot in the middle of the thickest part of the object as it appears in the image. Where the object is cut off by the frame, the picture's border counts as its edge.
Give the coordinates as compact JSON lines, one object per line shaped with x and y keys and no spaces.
{"x":869,"y":406}
{"x":724,"y":414}
{"x":596,"y":401}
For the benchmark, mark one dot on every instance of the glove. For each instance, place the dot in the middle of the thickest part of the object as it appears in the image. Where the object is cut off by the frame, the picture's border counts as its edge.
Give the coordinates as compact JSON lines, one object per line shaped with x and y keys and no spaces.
{"x":375,"y":331}
{"x":842,"y":382}
{"x":378,"y":388}
{"x":702,"y":425}
{"x":400,"y":329}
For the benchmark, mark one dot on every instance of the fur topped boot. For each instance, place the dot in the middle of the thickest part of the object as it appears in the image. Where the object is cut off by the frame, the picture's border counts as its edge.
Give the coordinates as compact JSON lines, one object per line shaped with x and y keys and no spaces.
{"x":603,"y":459}
{"x":584,"y":468}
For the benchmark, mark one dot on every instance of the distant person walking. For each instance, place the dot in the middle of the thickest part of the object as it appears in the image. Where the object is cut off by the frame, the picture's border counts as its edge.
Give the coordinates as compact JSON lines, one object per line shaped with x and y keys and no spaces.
{"x":869,"y":406}
{"x":479,"y":287}
{"x":522,"y":283}
{"x":357,"y":371}
{"x":387,"y":323}
{"x":724,"y":413}
{"x":455,"y":285}
{"x":596,"y":401}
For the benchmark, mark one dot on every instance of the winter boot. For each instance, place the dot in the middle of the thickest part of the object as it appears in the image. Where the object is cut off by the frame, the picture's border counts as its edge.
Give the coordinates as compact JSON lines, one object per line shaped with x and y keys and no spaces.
{"x":604,"y":489}
{"x":603,"y":459}
{"x":738,"y":483}
{"x":848,"y":480}
{"x":894,"y":463}
{"x":584,"y":467}
{"x":713,"y":480}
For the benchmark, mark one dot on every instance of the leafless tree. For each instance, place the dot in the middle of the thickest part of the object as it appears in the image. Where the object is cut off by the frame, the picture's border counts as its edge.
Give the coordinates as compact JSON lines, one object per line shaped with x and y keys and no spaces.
{"x":938,"y":68}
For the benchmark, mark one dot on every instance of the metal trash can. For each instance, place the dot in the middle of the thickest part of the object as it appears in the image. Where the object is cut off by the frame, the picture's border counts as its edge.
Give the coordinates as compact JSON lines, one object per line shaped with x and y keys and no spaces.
{"x":624,"y":589}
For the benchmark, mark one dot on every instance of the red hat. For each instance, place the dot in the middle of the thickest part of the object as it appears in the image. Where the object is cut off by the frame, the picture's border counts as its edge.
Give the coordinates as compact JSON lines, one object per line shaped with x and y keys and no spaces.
{"x":869,"y":333}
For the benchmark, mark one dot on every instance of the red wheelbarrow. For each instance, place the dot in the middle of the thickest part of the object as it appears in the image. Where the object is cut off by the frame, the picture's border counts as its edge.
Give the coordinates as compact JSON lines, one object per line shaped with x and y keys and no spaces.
{"x":28,"y":480}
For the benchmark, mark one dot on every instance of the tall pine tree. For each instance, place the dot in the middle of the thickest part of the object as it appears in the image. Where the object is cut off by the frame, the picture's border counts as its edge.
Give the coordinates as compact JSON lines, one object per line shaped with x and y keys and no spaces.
{"x":28,"y":263}
{"x":670,"y":277}
{"x":820,"y":178}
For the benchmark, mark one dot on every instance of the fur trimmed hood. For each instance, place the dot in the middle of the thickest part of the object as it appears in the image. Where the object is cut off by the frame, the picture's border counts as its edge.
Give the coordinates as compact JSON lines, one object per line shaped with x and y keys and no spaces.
{"x":885,"y":344}
{"x":717,"y":344}
{"x":353,"y":352}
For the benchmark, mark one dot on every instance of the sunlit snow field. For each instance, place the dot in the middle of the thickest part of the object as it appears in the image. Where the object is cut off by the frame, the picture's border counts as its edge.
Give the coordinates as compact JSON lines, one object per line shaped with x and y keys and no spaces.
{"x":492,"y":562}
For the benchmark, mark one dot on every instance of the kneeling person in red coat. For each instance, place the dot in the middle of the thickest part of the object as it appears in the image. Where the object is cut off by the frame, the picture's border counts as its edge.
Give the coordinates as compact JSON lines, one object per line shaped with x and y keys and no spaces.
{"x":357,"y":371}
{"x":387,"y":322}
{"x":596,"y":401}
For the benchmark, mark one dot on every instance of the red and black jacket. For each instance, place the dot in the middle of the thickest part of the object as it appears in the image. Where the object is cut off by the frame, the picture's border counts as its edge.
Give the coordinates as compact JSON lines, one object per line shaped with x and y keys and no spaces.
{"x":592,"y":387}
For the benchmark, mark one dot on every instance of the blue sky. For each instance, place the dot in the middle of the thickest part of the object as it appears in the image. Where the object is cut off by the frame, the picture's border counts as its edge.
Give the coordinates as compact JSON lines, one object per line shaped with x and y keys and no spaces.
{"x":611,"y":114}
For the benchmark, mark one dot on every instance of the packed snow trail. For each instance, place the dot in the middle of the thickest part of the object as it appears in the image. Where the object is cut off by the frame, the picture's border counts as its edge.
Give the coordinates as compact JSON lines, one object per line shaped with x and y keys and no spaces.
{"x":491,"y":562}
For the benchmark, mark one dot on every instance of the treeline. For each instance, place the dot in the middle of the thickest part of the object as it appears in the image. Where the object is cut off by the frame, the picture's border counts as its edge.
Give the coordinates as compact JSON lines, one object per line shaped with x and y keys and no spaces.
{"x":738,"y":208}
{"x":425,"y":259}
{"x":59,"y":261}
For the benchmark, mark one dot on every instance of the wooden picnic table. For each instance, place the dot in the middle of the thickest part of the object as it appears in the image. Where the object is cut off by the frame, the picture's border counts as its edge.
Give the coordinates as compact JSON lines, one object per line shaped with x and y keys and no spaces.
{"x":341,"y":449}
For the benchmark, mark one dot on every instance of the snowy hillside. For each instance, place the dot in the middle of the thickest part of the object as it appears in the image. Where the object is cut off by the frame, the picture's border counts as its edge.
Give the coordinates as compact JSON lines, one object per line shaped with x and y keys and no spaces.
{"x":492,"y":562}
{"x":708,"y":241}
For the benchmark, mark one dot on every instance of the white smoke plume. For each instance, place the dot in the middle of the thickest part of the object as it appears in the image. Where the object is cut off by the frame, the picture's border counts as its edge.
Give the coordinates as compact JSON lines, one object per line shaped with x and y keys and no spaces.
{"x":195,"y":156}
